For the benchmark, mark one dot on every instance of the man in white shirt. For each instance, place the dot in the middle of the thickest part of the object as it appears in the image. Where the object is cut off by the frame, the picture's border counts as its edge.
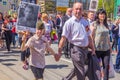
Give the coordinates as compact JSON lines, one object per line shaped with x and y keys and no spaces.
{"x":76,"y":30}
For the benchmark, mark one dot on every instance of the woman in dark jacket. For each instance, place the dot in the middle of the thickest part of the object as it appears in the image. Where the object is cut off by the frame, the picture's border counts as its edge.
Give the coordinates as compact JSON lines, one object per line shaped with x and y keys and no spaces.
{"x":115,"y":29}
{"x":8,"y":34}
{"x":117,"y":65}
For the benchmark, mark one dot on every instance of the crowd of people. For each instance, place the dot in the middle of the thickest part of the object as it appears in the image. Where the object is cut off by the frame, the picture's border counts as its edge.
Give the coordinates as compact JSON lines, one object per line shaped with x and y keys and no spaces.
{"x":78,"y":33}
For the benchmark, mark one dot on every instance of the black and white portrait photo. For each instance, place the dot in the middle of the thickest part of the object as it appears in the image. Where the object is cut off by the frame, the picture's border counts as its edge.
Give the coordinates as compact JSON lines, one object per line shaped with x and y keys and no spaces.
{"x":27,"y":16}
{"x":93,"y":5}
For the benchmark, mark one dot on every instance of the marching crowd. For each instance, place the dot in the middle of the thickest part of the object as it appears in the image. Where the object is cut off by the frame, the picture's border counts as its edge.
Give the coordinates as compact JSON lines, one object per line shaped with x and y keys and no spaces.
{"x":78,"y":33}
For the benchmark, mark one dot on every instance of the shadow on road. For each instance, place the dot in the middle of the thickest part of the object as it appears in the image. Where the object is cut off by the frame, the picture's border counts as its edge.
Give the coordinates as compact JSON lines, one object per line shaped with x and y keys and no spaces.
{"x":55,"y":66}
{"x":3,"y":60}
{"x":6,"y":55}
{"x":8,"y":64}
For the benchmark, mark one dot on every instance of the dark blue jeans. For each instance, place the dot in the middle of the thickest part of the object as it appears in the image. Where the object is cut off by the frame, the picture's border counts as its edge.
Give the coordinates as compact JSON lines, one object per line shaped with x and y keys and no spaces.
{"x":118,"y":55}
{"x":38,"y":72}
{"x":13,"y":39}
{"x":8,"y":38}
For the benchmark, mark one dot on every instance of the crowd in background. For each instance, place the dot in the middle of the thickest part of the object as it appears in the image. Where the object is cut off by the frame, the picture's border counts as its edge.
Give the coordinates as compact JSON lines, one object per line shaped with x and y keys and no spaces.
{"x":53,"y":30}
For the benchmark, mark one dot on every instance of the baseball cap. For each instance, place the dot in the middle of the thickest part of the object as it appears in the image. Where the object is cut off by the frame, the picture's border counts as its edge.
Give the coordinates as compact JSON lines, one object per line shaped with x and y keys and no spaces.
{"x":40,"y":25}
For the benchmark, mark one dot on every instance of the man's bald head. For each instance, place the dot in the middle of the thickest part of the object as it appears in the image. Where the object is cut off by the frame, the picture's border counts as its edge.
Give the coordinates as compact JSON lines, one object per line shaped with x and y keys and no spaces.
{"x":77,"y":9}
{"x":77,"y":4}
{"x":69,"y":11}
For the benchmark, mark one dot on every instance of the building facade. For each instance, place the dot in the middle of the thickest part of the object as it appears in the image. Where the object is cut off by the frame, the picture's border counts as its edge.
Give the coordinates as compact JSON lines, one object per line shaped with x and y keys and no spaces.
{"x":4,"y":6}
{"x":86,"y":3}
{"x":8,"y":5}
{"x":42,"y":3}
{"x":47,"y":5}
{"x":13,"y":4}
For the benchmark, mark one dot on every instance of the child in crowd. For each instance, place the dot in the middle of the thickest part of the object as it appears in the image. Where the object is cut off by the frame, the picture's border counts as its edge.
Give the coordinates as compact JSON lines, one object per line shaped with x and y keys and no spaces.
{"x":38,"y":44}
{"x":25,"y":54}
{"x":54,"y":35}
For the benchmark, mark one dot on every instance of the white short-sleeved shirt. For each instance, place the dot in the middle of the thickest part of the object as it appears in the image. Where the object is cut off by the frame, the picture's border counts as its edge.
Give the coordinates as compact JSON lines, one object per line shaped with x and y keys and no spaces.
{"x":48,"y":27}
{"x":37,"y":51}
{"x":77,"y":31}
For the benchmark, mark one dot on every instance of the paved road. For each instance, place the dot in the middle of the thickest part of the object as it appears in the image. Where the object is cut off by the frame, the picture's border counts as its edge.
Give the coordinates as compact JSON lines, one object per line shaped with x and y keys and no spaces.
{"x":11,"y":67}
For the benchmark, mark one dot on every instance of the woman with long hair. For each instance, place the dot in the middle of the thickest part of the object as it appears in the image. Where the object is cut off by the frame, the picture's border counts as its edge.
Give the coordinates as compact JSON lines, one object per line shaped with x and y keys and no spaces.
{"x":100,"y":34}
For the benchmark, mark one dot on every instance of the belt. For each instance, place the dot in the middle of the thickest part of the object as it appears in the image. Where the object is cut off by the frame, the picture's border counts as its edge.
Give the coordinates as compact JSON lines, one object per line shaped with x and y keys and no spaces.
{"x":78,"y":46}
{"x":83,"y":47}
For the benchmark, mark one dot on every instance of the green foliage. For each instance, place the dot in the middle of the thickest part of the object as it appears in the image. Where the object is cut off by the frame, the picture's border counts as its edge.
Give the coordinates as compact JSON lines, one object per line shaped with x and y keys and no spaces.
{"x":108,"y":5}
{"x":100,"y":4}
{"x":50,"y":6}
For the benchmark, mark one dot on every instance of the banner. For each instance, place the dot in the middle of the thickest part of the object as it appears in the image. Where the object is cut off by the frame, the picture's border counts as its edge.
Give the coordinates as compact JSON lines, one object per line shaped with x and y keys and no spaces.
{"x":93,"y":5}
{"x":62,"y":5}
{"x":27,"y":16}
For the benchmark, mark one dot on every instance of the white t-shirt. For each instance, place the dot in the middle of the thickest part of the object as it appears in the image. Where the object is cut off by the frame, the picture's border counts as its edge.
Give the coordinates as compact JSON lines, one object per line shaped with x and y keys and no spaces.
{"x":75,"y":31}
{"x":48,"y":27}
{"x":37,"y":51}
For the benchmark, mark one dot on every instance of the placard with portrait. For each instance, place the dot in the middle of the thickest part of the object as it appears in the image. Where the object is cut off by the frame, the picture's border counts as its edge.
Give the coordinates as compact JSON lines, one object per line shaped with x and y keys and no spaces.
{"x":27,"y":16}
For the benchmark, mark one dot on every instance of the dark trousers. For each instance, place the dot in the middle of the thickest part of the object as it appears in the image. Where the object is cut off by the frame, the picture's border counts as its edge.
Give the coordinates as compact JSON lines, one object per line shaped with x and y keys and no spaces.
{"x":115,"y":44}
{"x":105,"y":56}
{"x":79,"y":58}
{"x":118,"y":55}
{"x":25,"y":54}
{"x":13,"y":39}
{"x":38,"y":72}
{"x":66,"y":49}
{"x":8,"y":38}
{"x":20,"y":41}
{"x":59,"y":37}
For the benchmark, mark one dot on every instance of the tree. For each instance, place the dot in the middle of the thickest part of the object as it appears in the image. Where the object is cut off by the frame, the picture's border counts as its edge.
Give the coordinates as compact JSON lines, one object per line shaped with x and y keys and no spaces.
{"x":100,"y":4}
{"x":108,"y":5}
{"x":50,"y":6}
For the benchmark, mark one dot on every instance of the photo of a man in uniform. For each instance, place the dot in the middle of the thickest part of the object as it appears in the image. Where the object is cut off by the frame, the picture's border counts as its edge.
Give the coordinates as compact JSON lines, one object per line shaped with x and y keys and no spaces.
{"x":27,"y":16}
{"x":93,"y":4}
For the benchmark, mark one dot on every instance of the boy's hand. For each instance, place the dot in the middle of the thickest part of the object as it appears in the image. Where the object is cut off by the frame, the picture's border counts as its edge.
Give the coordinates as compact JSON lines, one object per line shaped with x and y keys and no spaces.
{"x":93,"y":53}
{"x":57,"y":57}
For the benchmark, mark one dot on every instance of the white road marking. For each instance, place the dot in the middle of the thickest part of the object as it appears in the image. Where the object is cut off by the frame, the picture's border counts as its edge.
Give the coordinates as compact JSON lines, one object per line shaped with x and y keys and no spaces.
{"x":66,"y":60}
